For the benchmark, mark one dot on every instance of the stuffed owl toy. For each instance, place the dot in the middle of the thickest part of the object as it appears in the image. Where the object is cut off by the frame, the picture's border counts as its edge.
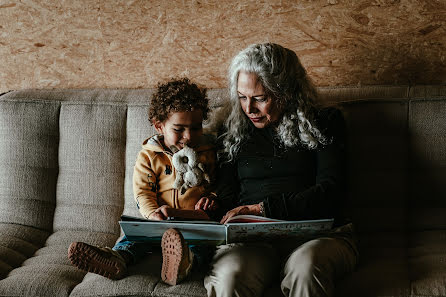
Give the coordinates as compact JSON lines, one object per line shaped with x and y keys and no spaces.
{"x":190,"y":172}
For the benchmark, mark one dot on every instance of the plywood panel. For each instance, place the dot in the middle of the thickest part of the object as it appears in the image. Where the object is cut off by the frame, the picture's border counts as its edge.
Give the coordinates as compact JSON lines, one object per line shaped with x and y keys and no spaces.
{"x":124,"y":43}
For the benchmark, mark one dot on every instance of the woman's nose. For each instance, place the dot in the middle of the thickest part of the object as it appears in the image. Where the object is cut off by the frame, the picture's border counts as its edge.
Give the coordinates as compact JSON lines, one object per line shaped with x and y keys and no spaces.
{"x":249,"y":106}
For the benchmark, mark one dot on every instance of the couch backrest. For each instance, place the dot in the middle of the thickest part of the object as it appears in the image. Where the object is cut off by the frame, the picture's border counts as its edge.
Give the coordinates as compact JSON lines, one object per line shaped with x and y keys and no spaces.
{"x":66,"y":156}
{"x":397,"y":157}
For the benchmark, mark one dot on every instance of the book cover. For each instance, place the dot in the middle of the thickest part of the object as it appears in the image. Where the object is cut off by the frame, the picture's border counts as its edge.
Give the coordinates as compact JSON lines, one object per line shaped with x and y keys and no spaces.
{"x":242,"y":228}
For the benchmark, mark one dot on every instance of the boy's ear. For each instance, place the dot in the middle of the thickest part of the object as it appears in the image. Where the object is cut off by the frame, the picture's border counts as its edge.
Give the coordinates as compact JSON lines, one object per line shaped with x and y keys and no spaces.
{"x":158,"y":126}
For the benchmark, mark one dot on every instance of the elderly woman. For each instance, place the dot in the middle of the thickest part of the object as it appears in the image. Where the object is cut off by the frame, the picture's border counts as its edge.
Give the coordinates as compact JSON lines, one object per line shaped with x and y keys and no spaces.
{"x":283,"y":158}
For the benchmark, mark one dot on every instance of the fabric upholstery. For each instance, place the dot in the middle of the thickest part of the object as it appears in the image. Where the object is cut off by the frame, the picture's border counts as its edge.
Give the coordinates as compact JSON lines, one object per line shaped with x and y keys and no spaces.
{"x":427,"y":204}
{"x":28,"y":156}
{"x":428,"y":164}
{"x":426,"y":263}
{"x":381,"y":273}
{"x":18,"y":243}
{"x":138,"y":129}
{"x":91,"y":153}
{"x":378,"y":159}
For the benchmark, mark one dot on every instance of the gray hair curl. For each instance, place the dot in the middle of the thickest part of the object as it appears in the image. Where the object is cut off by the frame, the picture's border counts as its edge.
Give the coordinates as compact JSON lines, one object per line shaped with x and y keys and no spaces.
{"x":284,"y":79}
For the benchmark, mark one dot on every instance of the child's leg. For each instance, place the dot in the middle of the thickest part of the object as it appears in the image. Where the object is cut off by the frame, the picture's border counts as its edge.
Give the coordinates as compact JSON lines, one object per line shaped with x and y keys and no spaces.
{"x":132,"y":251}
{"x":111,"y":263}
{"x":100,"y":260}
{"x":177,"y":258}
{"x":202,"y":256}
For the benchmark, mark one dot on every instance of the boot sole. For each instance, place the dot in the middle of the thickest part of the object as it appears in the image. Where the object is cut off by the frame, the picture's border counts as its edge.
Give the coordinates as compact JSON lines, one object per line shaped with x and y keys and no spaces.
{"x":91,"y":259}
{"x":172,"y":246}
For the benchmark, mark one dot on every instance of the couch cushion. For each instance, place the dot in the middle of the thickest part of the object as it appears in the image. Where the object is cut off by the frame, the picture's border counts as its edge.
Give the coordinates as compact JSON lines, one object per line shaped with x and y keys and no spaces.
{"x":17,"y":243}
{"x":427,"y":223}
{"x":90,"y":187}
{"x":29,"y":136}
{"x":378,"y":162}
{"x":428,"y":164}
{"x":427,"y":258}
{"x":382,"y":272}
{"x":143,"y":280}
{"x":48,"y":272}
{"x":138,"y":129}
{"x":382,"y":269}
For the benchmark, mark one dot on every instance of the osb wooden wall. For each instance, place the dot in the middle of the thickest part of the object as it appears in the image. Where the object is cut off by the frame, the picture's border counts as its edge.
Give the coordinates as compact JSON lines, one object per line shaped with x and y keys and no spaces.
{"x":136,"y":43}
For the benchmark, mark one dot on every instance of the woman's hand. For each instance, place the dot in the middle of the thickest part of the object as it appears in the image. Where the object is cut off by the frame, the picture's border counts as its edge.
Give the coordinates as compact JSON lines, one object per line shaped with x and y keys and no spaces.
{"x":160,"y":214}
{"x":253,"y":209}
{"x":206,"y":203}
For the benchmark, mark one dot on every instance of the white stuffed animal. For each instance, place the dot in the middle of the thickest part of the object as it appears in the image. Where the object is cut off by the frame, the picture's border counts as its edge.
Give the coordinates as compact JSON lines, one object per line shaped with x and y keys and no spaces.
{"x":190,"y":172}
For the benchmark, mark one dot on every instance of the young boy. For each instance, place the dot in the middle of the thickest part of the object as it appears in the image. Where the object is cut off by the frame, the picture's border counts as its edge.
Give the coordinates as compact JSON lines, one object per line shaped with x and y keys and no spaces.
{"x":177,"y":111}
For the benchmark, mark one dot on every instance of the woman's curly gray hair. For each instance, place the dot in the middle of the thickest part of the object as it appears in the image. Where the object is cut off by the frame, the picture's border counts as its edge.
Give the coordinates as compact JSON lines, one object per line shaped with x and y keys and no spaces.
{"x":285,"y":80}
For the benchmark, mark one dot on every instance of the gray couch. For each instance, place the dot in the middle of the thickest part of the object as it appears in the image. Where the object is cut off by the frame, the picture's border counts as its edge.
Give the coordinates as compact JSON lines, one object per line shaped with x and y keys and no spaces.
{"x":66,"y":159}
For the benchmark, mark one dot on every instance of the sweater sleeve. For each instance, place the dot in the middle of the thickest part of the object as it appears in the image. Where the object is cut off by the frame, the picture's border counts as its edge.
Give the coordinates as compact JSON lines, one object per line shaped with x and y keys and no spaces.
{"x":227,"y":187}
{"x":144,"y":185}
{"x":321,"y":200}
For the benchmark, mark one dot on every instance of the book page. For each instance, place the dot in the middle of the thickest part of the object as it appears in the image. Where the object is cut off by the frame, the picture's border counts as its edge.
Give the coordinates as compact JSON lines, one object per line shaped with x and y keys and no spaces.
{"x":250,"y":219}
{"x":243,"y":232}
{"x":198,"y":232}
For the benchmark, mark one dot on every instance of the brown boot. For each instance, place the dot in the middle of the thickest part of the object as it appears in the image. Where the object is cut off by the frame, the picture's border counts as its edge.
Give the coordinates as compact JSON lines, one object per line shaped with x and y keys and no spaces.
{"x":99,"y":260}
{"x":177,"y":258}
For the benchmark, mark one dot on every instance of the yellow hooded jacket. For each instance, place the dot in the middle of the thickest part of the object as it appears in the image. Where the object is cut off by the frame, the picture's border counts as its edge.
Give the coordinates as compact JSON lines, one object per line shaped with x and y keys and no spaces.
{"x":154,"y":176}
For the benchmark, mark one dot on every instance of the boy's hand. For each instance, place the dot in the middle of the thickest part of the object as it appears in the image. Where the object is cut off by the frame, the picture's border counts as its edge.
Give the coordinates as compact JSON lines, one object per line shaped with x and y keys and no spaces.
{"x":160,"y":214}
{"x":206,"y":203}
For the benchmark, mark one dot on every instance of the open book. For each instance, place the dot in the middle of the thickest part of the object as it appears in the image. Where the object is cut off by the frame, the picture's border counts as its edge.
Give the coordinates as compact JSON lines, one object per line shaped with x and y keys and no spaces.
{"x":241,"y":228}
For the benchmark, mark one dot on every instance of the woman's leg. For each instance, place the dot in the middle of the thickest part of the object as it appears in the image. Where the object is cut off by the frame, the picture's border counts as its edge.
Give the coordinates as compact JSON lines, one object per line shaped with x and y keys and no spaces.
{"x":313,"y":267}
{"x":242,"y":270}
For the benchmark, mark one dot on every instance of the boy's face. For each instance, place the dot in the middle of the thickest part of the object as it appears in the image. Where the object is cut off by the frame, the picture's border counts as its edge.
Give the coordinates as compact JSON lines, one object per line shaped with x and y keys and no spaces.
{"x":181,"y":128}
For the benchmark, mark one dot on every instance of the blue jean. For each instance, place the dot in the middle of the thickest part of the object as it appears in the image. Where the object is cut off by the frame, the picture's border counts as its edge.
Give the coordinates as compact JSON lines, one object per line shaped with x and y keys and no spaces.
{"x":139,"y":249}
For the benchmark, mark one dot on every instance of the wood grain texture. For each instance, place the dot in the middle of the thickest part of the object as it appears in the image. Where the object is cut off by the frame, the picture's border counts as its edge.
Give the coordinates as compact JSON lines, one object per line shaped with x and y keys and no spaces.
{"x":135,"y":44}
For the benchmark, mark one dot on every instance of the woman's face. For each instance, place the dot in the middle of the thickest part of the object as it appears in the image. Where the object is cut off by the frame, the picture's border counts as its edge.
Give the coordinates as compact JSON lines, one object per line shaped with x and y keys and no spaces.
{"x":261,"y":110}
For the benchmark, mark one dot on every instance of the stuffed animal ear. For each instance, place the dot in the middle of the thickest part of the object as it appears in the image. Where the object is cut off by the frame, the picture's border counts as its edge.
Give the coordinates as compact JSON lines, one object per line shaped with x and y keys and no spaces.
{"x":191,"y":155}
{"x":178,"y":162}
{"x":178,"y":181}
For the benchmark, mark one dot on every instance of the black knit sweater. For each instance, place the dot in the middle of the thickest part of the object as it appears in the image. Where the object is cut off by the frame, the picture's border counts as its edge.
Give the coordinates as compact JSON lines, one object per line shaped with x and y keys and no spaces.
{"x":293,"y":183}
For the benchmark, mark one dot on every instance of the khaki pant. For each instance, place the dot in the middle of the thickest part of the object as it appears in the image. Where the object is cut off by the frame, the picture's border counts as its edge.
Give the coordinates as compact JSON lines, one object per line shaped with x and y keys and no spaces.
{"x":310,"y":270}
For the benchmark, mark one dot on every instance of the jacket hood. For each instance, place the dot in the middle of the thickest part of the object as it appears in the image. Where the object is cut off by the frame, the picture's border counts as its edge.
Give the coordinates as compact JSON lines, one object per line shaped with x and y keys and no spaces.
{"x":155,"y":143}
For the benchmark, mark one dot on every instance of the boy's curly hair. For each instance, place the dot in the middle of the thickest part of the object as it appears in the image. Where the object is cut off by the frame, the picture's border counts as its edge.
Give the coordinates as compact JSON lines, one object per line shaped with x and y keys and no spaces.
{"x":177,"y":95}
